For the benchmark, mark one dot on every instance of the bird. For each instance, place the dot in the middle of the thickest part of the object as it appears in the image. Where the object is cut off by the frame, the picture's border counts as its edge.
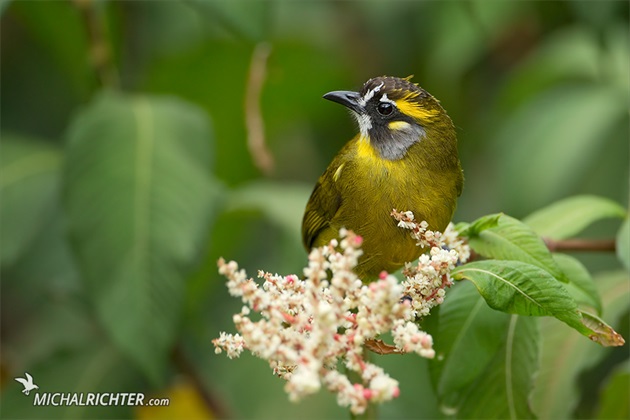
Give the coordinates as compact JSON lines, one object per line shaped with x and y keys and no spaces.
{"x":28,"y":383}
{"x":404,"y":157}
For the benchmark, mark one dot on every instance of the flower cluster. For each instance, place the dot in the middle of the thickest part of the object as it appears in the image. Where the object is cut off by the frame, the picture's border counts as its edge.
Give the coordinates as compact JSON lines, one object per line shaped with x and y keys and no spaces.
{"x":427,"y":279}
{"x":308,"y":326}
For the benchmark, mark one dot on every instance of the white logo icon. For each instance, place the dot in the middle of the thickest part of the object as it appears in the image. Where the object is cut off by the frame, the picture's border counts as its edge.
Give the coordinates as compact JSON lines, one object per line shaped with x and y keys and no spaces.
{"x":28,"y":383}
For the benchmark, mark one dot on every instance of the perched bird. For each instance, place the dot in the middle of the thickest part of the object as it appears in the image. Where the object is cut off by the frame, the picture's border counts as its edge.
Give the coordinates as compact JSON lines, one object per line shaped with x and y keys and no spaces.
{"x":404,"y":157}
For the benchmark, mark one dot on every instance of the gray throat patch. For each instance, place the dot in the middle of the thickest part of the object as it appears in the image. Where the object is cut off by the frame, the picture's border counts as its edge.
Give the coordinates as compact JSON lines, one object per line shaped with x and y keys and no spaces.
{"x":393,"y":144}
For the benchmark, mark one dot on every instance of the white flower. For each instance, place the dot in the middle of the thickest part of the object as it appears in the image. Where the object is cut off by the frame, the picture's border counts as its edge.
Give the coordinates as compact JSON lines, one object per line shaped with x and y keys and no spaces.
{"x":307,"y":328}
{"x":303,"y":382}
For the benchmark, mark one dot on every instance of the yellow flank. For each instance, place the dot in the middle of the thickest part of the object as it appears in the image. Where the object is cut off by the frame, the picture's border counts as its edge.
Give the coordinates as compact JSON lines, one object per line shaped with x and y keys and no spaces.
{"x":338,"y":172}
{"x":398,"y":125}
{"x":415,"y":111}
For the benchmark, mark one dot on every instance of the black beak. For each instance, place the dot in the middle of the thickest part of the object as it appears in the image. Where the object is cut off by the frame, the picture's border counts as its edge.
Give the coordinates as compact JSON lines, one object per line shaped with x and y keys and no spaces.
{"x":347,"y":99}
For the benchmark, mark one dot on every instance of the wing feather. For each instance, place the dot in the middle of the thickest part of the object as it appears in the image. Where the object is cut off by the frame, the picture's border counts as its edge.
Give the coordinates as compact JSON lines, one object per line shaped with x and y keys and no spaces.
{"x":321,"y":208}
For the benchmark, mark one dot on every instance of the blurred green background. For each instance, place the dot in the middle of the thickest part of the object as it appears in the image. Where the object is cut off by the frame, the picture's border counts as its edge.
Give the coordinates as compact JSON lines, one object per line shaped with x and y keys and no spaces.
{"x":126,"y":171}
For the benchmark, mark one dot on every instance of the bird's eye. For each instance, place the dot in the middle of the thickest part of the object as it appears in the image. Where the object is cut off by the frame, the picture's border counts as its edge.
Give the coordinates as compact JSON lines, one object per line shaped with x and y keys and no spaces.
{"x":385,"y":108}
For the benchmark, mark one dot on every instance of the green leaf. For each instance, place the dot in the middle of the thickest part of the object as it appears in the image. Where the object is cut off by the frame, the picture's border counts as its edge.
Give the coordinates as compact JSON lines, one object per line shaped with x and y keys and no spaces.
{"x":139,"y":198}
{"x":502,"y":390}
{"x":28,"y":187}
{"x":523,"y":289}
{"x":513,"y":240}
{"x":470,"y":334}
{"x":566,"y":218}
{"x":623,"y":244}
{"x":519,"y":288}
{"x":566,"y":355}
{"x":581,"y":285}
{"x":479,"y":225}
{"x":614,"y":402}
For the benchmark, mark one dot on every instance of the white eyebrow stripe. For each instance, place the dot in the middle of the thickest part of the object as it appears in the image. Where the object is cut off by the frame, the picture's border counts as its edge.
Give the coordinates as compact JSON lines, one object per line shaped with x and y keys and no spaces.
{"x":384,"y":98}
{"x":370,"y":94}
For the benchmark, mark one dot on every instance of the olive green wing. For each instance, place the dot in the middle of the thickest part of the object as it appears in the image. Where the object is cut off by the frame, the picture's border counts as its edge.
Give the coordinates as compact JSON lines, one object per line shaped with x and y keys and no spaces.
{"x":321,"y":208}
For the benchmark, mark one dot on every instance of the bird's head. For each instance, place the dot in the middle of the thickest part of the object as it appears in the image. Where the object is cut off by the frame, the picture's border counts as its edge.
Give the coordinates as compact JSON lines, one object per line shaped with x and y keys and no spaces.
{"x":394,"y":114}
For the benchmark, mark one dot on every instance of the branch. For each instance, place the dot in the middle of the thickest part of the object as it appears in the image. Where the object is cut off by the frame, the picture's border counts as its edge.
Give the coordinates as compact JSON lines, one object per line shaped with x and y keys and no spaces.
{"x":597,"y":245}
{"x":100,"y":51}
{"x":253,"y":115}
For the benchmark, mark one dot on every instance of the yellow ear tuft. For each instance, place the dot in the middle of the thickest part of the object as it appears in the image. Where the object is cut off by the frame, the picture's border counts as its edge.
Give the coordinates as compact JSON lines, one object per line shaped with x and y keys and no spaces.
{"x":414,"y":110}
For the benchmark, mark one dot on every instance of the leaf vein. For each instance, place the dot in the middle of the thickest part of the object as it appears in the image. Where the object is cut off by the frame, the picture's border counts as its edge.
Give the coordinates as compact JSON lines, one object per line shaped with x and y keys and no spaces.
{"x":506,"y":282}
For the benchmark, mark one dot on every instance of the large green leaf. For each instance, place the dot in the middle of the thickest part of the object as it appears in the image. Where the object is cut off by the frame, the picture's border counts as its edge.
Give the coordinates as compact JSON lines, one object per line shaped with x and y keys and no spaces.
{"x":566,"y":218}
{"x":519,"y":288}
{"x":139,"y":196}
{"x":566,"y":355}
{"x":523,"y":289}
{"x":28,"y":186}
{"x":502,"y":390}
{"x":468,"y":336}
{"x":511,"y":239}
